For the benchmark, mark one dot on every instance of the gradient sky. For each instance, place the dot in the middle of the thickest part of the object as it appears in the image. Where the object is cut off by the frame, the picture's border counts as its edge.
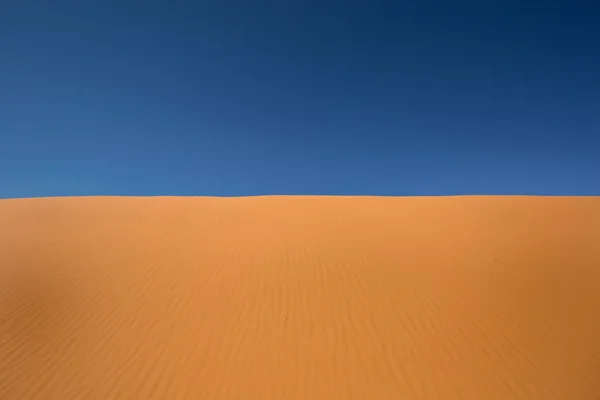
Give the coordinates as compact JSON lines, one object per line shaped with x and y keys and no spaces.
{"x":229,"y":98}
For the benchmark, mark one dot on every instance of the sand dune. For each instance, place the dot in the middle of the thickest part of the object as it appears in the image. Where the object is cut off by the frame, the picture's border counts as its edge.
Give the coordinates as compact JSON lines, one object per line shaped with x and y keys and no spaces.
{"x":300,"y":298}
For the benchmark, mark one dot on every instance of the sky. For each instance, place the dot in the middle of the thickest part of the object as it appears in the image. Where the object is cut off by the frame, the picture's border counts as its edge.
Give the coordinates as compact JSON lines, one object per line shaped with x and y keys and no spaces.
{"x":241,"y":98}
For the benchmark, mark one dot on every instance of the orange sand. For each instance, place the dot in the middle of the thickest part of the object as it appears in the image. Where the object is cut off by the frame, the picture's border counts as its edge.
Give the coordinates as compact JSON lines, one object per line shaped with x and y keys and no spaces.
{"x":300,"y":298}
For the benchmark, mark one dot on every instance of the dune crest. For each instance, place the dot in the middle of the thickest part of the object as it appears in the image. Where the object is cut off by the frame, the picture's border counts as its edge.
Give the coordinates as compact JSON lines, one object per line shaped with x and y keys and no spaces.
{"x":300,"y":298}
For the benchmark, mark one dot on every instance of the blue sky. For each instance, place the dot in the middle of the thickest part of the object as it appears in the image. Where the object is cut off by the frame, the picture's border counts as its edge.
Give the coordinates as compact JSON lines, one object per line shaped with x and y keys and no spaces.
{"x":227,"y":98}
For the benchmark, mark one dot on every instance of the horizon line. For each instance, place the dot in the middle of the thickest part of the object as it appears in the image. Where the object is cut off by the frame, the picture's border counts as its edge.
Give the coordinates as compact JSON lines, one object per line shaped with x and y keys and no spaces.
{"x":290,"y":195}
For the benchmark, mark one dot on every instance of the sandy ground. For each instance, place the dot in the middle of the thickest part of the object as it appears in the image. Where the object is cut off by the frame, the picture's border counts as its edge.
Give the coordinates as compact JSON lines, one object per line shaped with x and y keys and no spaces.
{"x":300,"y":298}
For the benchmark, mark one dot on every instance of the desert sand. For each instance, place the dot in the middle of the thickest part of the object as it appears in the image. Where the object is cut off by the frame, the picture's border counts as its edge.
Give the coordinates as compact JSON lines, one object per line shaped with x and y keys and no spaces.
{"x":300,"y":298}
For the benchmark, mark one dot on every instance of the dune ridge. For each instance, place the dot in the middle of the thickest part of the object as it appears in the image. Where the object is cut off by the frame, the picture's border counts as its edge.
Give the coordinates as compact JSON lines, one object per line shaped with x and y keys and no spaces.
{"x":300,"y":297}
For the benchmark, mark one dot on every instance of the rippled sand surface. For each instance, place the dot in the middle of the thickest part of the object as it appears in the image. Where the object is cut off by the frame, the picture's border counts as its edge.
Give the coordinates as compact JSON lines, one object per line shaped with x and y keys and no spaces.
{"x":300,"y":298}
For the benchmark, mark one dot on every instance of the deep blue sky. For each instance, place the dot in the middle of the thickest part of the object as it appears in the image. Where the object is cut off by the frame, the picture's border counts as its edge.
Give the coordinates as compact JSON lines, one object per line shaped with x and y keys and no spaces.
{"x":231,"y":98}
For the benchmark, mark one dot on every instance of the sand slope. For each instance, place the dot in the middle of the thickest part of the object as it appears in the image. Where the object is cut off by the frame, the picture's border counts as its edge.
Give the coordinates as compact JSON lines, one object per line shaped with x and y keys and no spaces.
{"x":300,"y":298}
